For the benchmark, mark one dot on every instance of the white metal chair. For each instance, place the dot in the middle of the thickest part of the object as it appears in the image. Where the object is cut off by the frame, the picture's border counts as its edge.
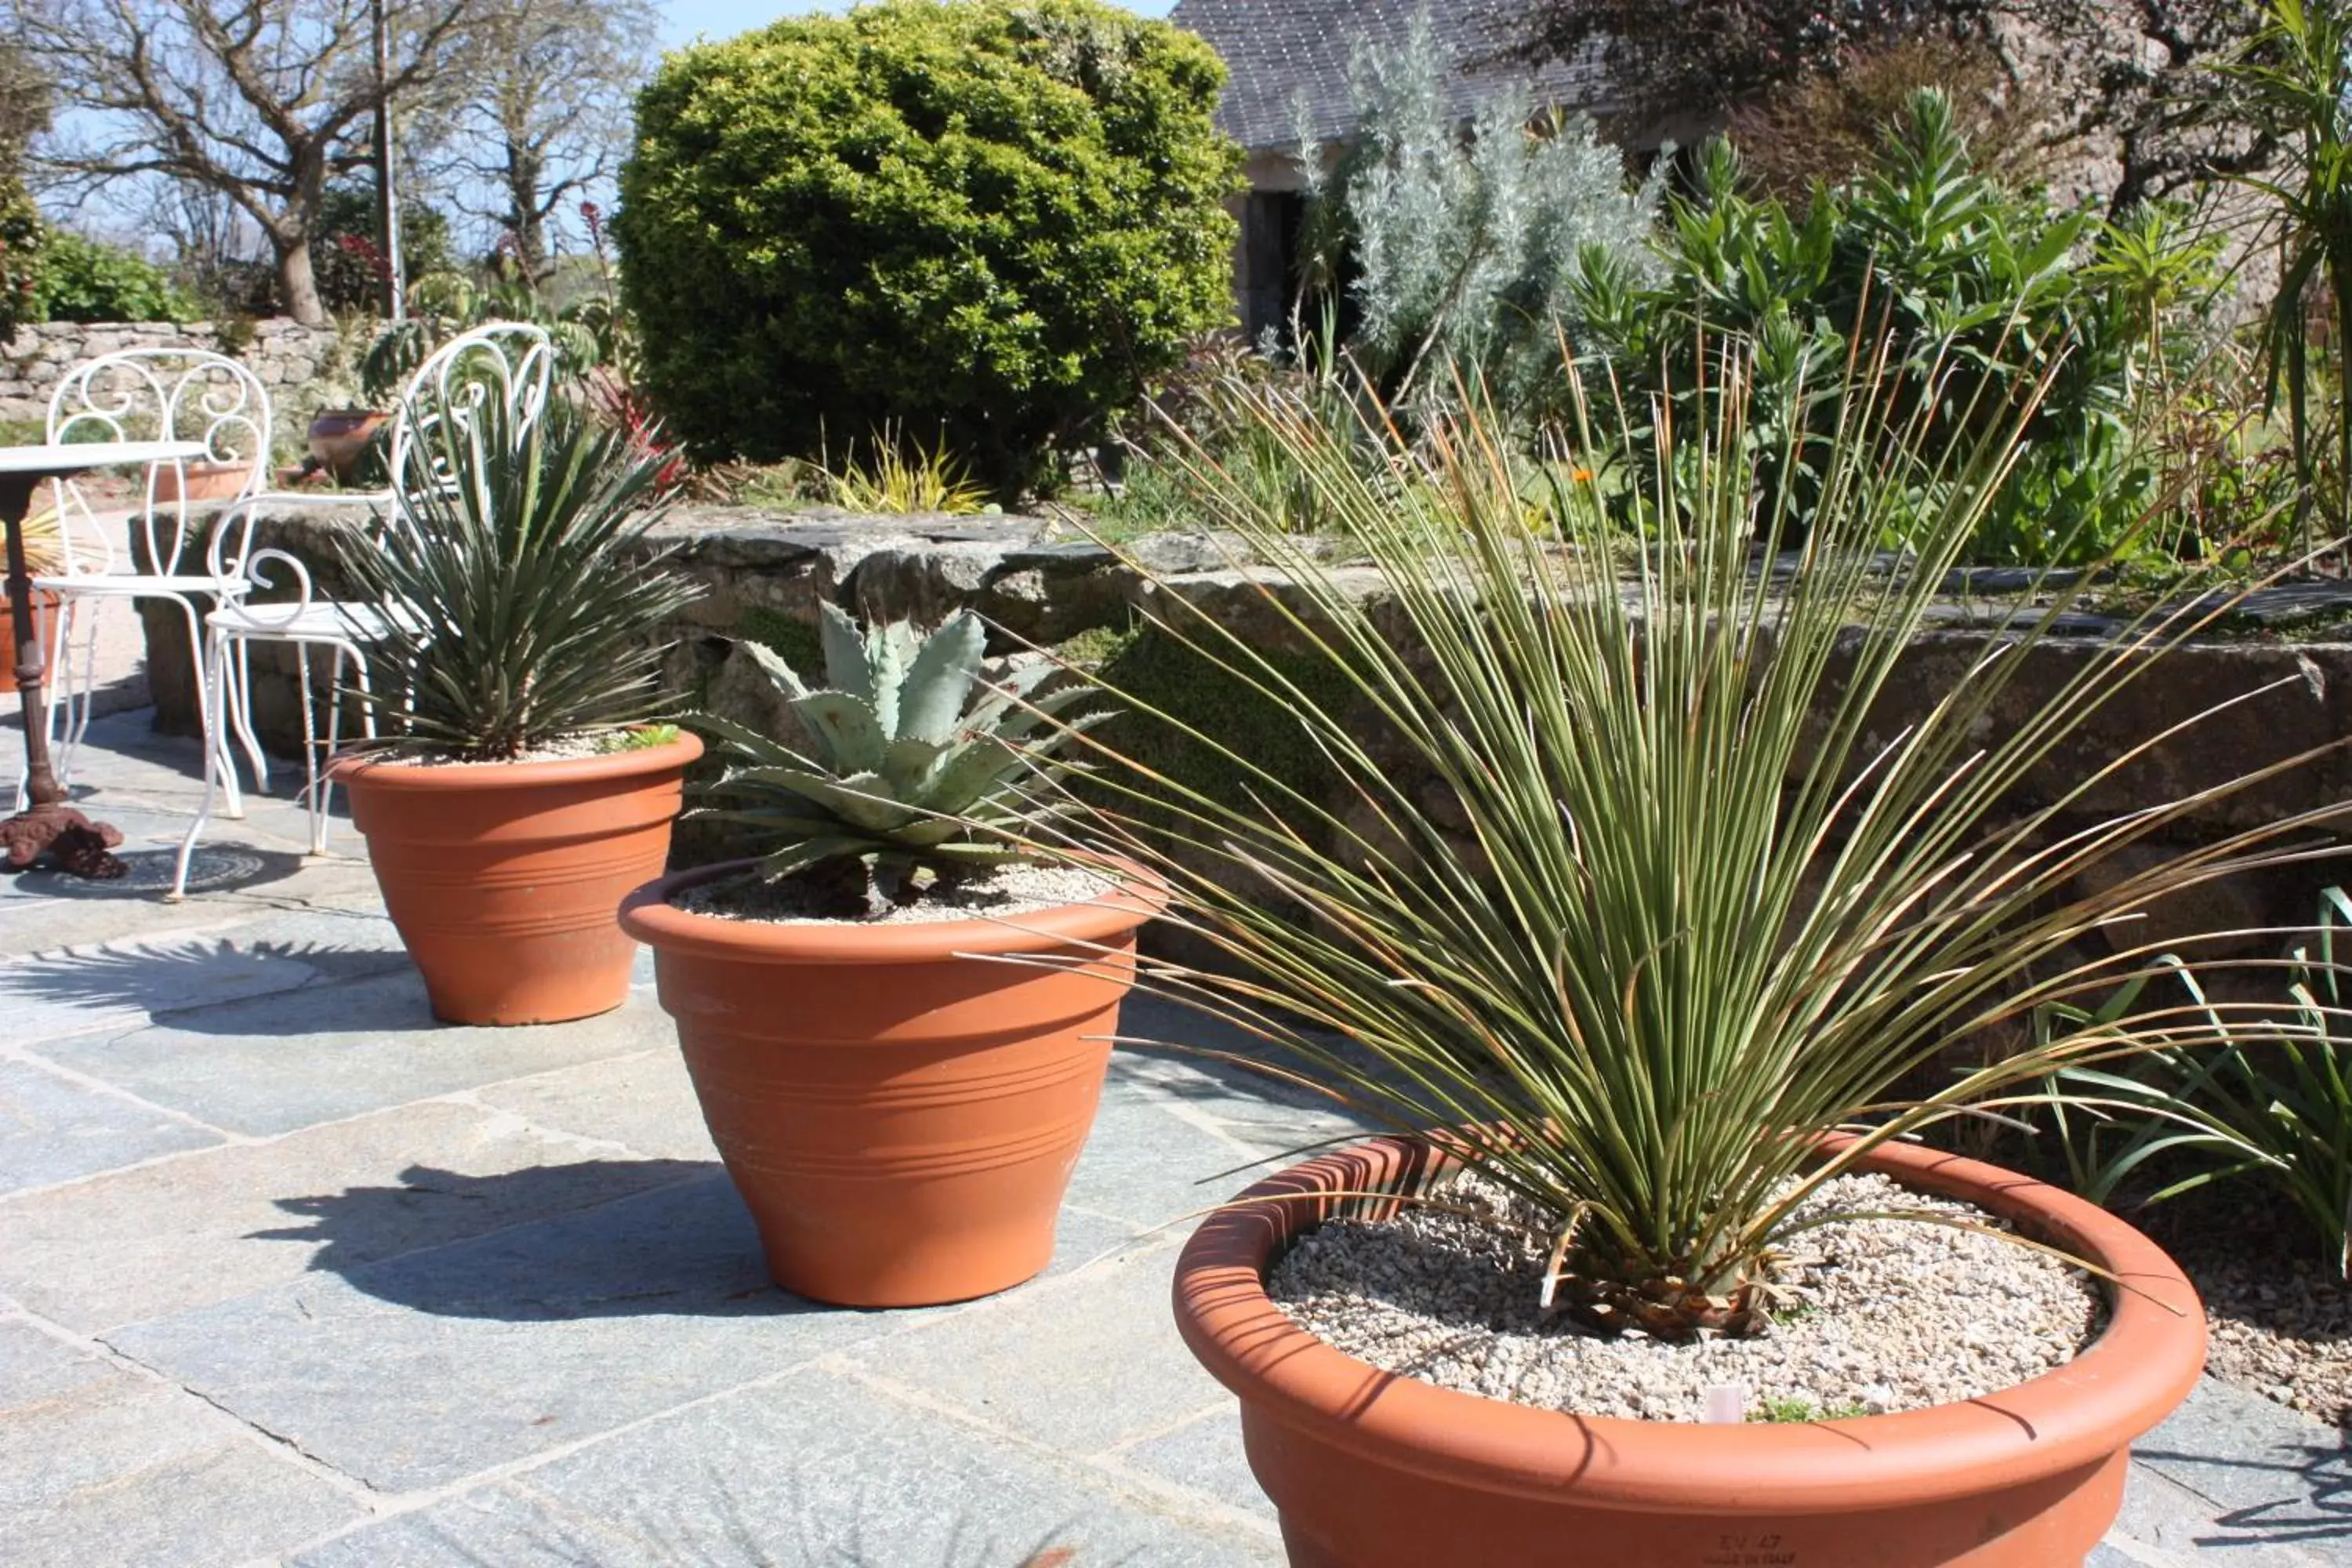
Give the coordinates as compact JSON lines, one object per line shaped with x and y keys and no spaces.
{"x":510,"y":361}
{"x":150,"y":393}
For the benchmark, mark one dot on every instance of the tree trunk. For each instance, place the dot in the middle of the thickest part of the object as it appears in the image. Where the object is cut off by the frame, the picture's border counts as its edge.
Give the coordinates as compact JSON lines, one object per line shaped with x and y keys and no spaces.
{"x":523,"y":220}
{"x":298,"y":286}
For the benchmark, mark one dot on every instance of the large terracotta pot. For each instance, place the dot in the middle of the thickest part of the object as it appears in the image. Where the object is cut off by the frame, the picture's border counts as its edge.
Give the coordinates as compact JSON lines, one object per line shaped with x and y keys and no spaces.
{"x":339,"y":436}
{"x":1371,"y":1470}
{"x":900,"y":1106}
{"x":201,"y":481}
{"x":503,"y":877}
{"x":45,"y":608}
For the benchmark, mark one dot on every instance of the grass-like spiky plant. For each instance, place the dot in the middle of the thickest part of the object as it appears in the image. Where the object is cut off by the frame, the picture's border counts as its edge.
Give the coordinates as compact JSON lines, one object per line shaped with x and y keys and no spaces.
{"x":520,"y":609}
{"x":914,"y":771}
{"x":1623,"y":881}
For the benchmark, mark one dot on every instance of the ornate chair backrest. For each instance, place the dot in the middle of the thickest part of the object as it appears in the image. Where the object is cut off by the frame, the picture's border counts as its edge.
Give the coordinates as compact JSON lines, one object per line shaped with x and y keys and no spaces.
{"x":158,"y":394}
{"x":513,"y":361}
{"x":510,"y":361}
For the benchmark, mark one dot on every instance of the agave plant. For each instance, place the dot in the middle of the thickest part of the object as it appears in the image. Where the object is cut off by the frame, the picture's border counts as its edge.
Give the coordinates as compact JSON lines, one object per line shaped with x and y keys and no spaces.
{"x":1620,"y":879}
{"x":914,"y":772}
{"x":520,"y":602}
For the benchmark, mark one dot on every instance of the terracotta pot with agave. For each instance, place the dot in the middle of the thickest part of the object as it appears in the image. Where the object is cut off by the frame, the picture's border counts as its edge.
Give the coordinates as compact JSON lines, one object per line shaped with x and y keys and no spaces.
{"x":1647,"y":924}
{"x":509,"y":616}
{"x":898,"y":1019}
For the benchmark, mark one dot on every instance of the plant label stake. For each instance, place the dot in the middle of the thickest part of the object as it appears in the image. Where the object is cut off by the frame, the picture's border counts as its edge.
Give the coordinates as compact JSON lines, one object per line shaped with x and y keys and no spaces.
{"x":49,"y":825}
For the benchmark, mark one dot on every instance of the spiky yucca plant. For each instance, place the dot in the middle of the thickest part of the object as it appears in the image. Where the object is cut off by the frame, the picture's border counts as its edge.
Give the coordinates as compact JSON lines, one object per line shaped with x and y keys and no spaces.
{"x":915,"y":772}
{"x":520,"y":607}
{"x":1624,"y":882}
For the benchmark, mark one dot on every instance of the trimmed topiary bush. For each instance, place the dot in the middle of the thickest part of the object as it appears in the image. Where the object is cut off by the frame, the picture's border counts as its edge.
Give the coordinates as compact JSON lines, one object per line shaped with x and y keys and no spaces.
{"x":985,"y":223}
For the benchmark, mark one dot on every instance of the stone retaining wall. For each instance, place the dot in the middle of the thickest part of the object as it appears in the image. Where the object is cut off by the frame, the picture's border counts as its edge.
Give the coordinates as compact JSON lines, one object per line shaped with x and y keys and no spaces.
{"x":765,"y":575}
{"x":303,"y":368}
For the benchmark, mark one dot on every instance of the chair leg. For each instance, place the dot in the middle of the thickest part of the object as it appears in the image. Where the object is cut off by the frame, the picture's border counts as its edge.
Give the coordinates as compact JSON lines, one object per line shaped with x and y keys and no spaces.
{"x":81,"y":703}
{"x":310,"y":742}
{"x":209,"y":706}
{"x":57,"y":690}
{"x":213,"y":675}
{"x":325,"y":820}
{"x":241,"y":713}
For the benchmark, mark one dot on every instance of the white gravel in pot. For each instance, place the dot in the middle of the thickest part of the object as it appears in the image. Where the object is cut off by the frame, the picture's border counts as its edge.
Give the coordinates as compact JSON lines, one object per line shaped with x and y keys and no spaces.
{"x":1890,"y":1314}
{"x":1006,"y":892}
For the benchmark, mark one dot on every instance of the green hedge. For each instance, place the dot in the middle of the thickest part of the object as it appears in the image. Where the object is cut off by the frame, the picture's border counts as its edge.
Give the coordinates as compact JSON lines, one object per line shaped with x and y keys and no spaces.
{"x":989,"y":221}
{"x":84,"y":279}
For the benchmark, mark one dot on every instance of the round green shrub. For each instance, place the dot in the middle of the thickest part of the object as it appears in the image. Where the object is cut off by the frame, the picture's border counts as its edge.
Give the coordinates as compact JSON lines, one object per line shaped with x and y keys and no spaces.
{"x":986,"y":222}
{"x":85,"y":279}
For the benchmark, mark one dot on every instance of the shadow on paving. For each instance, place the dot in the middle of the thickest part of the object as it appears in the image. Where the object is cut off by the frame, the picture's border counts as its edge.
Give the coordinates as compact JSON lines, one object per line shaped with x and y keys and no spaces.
{"x":148,"y":873}
{"x":159,"y":980}
{"x":2315,"y":1506}
{"x":597,"y":1238}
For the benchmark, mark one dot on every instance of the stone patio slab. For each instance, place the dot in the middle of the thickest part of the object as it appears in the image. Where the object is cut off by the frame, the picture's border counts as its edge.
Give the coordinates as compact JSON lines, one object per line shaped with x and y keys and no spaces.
{"x":218,"y":1224}
{"x":321,"y":1052}
{"x":1096,"y":1362}
{"x":54,"y":1129}
{"x":644,"y":1103}
{"x":417,"y":1371}
{"x":98,"y":1466}
{"x":814,"y":1469}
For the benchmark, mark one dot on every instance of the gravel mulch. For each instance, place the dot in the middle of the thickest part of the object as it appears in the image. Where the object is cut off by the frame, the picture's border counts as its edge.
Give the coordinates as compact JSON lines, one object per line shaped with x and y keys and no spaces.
{"x":1890,"y":1314}
{"x":2280,"y":1321}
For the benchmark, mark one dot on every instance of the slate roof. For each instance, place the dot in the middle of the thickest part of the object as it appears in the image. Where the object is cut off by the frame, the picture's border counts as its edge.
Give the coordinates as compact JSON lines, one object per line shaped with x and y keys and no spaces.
{"x":1277,"y":52}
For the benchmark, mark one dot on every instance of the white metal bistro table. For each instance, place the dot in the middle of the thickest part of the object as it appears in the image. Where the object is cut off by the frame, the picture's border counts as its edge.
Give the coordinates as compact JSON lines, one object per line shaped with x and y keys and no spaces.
{"x":49,"y":825}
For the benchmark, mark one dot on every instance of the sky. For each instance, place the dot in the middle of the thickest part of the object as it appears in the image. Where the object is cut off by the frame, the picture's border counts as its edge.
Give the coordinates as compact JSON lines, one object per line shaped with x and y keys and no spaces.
{"x":683,"y":19}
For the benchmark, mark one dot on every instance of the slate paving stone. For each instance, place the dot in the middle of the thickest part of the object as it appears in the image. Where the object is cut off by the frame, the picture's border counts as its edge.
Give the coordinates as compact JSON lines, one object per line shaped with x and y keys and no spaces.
{"x":120,"y":985}
{"x":1154,"y":1156}
{"x":1094,"y":1361}
{"x":222,"y":1223}
{"x":1204,"y":1454}
{"x":2271,"y":1477}
{"x":811,"y":1469}
{"x":107,"y":1468}
{"x":278,"y":1063}
{"x":34,"y":1368}
{"x":54,"y":1130}
{"x":645,"y":1102}
{"x":420,"y":1371}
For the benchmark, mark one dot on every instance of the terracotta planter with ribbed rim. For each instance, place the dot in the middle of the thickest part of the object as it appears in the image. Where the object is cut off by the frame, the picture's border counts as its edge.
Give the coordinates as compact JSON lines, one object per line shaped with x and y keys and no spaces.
{"x":1371,"y":1468}
{"x":503,"y":877}
{"x":901,"y":1106}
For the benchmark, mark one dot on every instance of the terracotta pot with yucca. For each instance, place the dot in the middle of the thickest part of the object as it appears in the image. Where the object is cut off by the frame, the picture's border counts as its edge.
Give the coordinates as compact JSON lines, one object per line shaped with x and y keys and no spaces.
{"x":1647,"y":889}
{"x":510,"y":617}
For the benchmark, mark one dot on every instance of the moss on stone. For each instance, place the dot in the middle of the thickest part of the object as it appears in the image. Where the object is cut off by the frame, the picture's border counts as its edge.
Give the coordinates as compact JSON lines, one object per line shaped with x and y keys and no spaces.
{"x":794,"y":641}
{"x":1160,"y":672}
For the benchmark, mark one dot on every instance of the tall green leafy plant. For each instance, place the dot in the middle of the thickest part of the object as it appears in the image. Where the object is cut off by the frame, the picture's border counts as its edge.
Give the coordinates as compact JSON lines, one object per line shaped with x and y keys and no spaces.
{"x":2296,"y":75}
{"x":519,"y":598}
{"x":1982,"y":293}
{"x":1623,"y":880}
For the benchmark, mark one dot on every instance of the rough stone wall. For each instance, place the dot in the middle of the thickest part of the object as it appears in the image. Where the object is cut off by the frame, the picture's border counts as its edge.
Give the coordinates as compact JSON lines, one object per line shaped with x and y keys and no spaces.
{"x":765,"y":575}
{"x":304,"y":369}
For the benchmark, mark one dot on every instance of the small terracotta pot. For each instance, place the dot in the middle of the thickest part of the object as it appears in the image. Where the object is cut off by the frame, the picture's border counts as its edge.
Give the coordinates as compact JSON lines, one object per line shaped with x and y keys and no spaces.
{"x":45,"y":607}
{"x":1371,"y":1470}
{"x":201,"y":481}
{"x":502,"y":878}
{"x":338,"y":437}
{"x":899,"y":1106}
